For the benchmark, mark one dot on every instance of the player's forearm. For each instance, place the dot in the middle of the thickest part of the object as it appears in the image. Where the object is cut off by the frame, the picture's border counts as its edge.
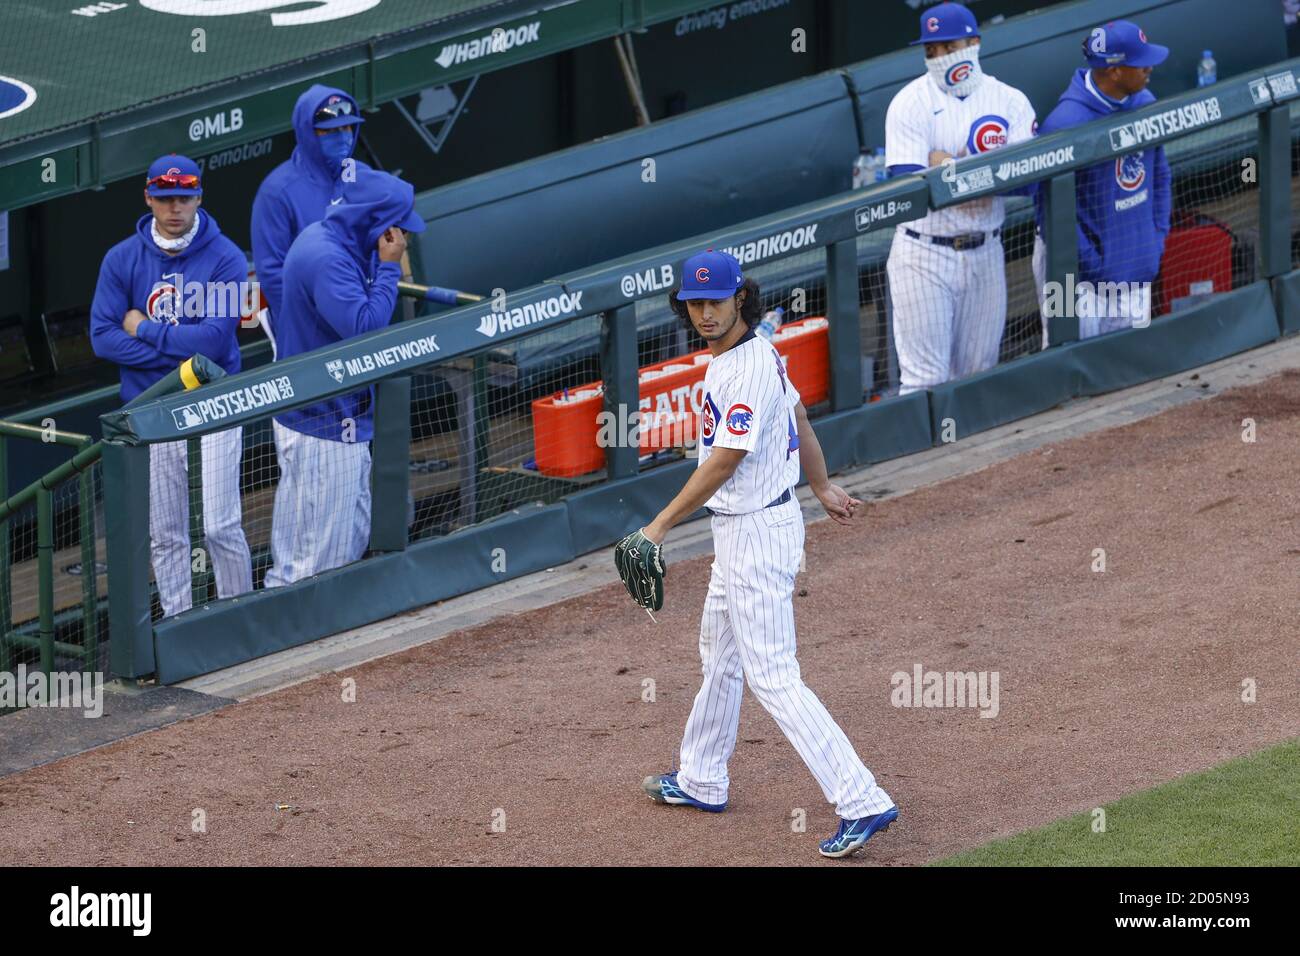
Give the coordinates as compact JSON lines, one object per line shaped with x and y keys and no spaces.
{"x":811,"y":459}
{"x":703,"y":484}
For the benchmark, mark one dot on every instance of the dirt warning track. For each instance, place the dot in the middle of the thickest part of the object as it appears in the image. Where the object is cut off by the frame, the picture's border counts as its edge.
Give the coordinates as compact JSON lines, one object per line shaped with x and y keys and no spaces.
{"x":524,"y":741}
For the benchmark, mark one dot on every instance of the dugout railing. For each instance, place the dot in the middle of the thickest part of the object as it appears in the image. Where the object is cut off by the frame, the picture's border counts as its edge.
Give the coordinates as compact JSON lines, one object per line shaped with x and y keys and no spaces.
{"x":522,"y":520}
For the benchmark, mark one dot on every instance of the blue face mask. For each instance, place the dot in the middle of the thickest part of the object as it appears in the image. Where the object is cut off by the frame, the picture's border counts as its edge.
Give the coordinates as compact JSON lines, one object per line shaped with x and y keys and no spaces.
{"x":336,"y":147}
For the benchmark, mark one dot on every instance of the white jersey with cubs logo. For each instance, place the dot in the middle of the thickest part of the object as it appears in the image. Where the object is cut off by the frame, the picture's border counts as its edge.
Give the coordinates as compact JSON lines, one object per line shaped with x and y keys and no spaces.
{"x":749,"y":404}
{"x":922,"y":118}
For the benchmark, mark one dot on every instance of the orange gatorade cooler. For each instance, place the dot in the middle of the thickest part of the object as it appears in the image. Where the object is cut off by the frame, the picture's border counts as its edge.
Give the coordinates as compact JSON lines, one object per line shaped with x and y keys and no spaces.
{"x":571,"y":429}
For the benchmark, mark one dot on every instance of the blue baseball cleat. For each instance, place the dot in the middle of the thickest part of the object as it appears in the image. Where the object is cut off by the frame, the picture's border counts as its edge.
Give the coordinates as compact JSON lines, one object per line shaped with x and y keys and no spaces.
{"x":853,"y":833}
{"x":663,"y":788}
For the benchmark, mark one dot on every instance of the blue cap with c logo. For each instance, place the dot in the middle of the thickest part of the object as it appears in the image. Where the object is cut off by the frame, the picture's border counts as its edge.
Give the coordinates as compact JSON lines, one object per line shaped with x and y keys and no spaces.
{"x":710,"y":275}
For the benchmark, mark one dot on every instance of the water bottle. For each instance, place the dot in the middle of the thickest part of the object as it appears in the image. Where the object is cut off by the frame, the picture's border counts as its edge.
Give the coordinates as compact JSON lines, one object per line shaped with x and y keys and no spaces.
{"x":878,"y":163}
{"x":862,"y":170}
{"x":1207,"y":71}
{"x":771,"y":322}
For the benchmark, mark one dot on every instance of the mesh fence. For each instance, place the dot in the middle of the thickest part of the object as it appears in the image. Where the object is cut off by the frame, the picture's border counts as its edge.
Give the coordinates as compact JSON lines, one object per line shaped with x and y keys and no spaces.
{"x":77,"y":588}
{"x":524,"y":422}
{"x":1295,"y":183}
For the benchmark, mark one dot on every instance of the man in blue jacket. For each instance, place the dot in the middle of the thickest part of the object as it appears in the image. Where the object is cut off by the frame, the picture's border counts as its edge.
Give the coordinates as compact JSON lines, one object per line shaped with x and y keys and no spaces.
{"x":172,"y":290}
{"x":340,"y":281}
{"x":326,"y":123}
{"x":1123,"y":205}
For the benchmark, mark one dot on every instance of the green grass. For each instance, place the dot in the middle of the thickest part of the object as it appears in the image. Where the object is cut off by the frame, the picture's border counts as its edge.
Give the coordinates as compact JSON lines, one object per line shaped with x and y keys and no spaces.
{"x":1244,"y":812}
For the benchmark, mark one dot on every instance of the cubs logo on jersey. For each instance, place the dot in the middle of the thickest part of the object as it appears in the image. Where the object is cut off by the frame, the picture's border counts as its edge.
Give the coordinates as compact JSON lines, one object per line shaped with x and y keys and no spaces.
{"x":958,"y":72}
{"x":986,"y":133}
{"x":739,"y":419}
{"x":164,"y":304}
{"x":1130,"y":172}
{"x":709,"y":416}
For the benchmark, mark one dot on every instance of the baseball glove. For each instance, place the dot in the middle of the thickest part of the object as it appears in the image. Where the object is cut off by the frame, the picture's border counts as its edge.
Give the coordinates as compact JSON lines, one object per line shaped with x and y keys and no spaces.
{"x":640,"y":563}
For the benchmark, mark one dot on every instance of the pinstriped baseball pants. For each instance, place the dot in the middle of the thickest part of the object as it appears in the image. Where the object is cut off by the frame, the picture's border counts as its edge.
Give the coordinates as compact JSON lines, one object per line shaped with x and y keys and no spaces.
{"x":747,"y":634}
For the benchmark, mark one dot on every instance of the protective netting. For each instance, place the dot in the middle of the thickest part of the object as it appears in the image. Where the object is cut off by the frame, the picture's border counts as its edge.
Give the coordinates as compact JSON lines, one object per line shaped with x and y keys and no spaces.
{"x":1295,"y":183}
{"x":74,"y":601}
{"x":525,"y":422}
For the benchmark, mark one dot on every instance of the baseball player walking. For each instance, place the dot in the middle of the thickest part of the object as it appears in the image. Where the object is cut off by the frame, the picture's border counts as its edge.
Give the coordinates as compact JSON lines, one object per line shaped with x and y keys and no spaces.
{"x":1123,"y":205}
{"x":168,"y":292}
{"x":340,"y":281}
{"x":754,"y":436}
{"x":946,"y":273}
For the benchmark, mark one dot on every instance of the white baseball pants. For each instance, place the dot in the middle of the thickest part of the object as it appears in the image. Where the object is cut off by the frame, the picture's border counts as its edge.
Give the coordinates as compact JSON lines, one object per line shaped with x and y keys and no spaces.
{"x":322,"y":505}
{"x":748,"y":629}
{"x":949,"y":309}
{"x":169,"y":518}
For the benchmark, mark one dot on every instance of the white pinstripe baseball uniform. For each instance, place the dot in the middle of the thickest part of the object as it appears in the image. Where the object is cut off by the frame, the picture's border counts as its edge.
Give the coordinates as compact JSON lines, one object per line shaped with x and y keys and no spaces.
{"x":949,"y":305}
{"x":747,"y":628}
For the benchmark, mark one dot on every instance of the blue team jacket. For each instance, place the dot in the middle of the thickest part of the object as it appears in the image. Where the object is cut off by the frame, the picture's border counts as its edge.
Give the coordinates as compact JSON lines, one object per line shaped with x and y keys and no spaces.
{"x":187,"y":297}
{"x":1123,"y":203}
{"x":336,"y":287}
{"x":294,"y":195}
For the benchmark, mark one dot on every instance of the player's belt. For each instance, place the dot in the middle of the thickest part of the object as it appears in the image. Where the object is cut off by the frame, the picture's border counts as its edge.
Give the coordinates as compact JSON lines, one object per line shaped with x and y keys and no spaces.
{"x":785,"y":496}
{"x":970,"y":240}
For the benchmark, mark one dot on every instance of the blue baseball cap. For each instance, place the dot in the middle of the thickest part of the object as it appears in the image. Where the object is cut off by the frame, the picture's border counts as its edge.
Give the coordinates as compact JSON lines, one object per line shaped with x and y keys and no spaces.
{"x":1121,"y":43}
{"x":173,"y":175}
{"x":947,"y":21}
{"x":335,"y":111}
{"x":710,"y":275}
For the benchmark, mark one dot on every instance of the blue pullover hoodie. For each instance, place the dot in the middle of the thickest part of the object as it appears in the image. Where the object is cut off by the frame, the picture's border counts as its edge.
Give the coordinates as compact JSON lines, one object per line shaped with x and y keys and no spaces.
{"x":336,"y":287}
{"x":193,"y":301}
{"x":295,"y":194}
{"x":1124,"y":203}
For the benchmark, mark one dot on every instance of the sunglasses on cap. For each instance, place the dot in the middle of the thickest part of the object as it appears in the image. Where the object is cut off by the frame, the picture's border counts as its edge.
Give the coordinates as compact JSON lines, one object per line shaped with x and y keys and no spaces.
{"x":175,"y":181}
{"x":333,"y":111}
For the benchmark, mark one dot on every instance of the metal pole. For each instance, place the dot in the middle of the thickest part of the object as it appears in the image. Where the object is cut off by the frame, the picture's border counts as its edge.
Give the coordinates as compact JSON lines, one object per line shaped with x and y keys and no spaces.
{"x":618,"y":369}
{"x":6,"y":601}
{"x":194,"y":472}
{"x":89,"y":582}
{"x":844,"y":335}
{"x":482,"y":421}
{"x":1060,"y":228}
{"x":633,"y":84}
{"x":1275,"y":191}
{"x":45,"y":574}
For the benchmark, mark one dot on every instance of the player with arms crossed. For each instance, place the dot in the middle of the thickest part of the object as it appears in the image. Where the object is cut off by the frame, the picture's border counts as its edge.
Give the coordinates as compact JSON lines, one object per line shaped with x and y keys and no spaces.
{"x":946,"y":274}
{"x":753,"y":437}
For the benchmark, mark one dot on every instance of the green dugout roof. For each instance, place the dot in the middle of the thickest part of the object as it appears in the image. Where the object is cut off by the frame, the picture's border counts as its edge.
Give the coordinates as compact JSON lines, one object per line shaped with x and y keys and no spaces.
{"x":92,"y":91}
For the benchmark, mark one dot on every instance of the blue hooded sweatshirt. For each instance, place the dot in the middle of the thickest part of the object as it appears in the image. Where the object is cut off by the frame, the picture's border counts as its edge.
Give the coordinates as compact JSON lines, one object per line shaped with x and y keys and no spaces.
{"x":336,"y":287}
{"x":193,"y":301}
{"x":295,"y":194}
{"x":1123,"y":203}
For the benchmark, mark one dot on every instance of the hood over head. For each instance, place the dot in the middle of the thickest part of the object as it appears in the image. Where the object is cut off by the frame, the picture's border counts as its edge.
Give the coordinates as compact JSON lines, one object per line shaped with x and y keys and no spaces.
{"x":304,"y":125}
{"x":372,"y":203}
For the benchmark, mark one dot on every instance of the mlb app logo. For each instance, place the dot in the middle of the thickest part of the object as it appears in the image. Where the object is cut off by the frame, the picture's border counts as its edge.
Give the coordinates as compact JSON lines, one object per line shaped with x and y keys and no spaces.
{"x":335,"y":368}
{"x":1259,"y":91}
{"x":186,"y":417}
{"x":1122,"y":138}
